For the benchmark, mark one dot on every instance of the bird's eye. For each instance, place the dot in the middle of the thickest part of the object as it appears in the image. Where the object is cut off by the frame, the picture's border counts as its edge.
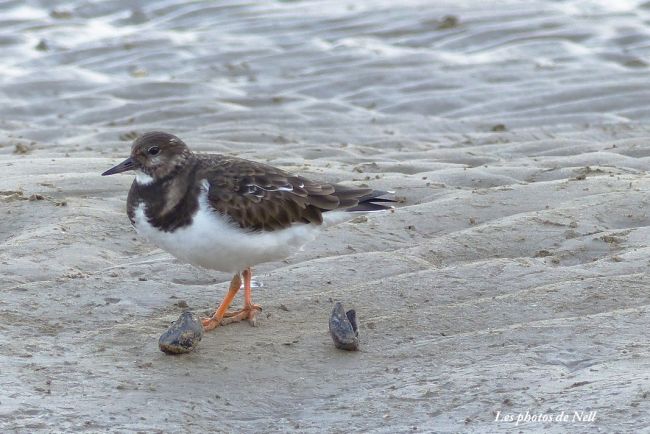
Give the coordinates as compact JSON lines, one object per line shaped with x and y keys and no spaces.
{"x":153,"y":150}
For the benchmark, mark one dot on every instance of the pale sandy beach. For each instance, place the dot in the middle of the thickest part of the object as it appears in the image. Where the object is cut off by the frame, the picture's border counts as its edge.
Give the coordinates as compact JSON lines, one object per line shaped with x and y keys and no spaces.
{"x":511,"y":278}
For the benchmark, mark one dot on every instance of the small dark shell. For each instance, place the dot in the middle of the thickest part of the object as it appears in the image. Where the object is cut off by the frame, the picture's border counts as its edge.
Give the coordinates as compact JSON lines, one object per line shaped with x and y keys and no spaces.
{"x":182,"y":336}
{"x":343,"y":328}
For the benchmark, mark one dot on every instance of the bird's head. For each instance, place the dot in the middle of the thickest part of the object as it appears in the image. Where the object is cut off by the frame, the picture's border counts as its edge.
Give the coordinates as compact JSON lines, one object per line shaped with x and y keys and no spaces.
{"x":154,"y":155}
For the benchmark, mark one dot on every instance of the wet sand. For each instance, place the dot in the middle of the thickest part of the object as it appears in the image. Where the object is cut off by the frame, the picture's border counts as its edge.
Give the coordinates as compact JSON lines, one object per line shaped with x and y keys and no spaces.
{"x":511,"y":278}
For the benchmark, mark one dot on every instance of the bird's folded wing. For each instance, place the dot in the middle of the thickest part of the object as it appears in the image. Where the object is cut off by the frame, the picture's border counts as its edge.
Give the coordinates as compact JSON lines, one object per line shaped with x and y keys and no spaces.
{"x":261,"y":197}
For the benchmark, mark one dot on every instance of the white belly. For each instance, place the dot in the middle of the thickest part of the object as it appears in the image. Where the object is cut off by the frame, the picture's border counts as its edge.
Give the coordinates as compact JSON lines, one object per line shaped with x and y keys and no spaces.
{"x":215,"y":242}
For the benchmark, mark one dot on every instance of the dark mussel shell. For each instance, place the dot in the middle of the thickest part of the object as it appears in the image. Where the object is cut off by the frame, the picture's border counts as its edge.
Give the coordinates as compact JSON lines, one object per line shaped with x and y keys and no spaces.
{"x":343,"y":328}
{"x":182,"y":336}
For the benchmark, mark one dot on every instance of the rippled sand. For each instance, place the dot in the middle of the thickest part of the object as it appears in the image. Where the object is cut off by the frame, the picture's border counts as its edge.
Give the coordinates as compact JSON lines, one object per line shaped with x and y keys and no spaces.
{"x":512,"y":277}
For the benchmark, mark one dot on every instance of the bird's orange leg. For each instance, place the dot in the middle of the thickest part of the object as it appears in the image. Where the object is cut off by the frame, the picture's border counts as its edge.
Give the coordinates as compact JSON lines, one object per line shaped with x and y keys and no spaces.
{"x":250,"y":310}
{"x":217,"y":317}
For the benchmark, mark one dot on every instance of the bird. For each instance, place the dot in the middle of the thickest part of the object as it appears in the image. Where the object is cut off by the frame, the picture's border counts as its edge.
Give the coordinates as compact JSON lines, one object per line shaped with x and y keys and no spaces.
{"x":230,"y":214}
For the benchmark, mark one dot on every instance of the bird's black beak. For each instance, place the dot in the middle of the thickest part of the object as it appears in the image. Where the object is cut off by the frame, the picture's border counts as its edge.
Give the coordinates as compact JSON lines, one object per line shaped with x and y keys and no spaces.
{"x":128,"y":164}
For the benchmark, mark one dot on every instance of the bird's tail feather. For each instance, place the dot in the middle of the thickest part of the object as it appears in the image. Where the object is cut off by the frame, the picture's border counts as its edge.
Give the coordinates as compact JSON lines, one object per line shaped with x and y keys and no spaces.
{"x":373,"y":202}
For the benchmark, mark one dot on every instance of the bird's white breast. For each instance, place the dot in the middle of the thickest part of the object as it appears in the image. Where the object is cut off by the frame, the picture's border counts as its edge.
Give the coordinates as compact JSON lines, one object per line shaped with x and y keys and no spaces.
{"x":213,"y":241}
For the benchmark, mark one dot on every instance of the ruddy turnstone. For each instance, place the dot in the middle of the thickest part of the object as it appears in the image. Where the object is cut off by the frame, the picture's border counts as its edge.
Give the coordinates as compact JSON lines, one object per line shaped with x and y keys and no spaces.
{"x":230,"y":214}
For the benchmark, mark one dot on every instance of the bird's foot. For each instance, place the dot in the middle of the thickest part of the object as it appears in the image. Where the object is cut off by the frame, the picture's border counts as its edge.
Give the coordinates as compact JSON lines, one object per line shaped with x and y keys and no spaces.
{"x":210,"y":323}
{"x":248,"y":312}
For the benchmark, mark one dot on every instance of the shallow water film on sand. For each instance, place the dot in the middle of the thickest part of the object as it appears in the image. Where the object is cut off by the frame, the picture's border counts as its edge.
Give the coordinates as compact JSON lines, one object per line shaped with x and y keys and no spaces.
{"x":507,"y":293}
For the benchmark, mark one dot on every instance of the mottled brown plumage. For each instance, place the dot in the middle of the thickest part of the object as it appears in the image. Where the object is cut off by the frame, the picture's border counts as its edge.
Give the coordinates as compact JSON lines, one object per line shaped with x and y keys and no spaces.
{"x":262,"y":197}
{"x":254,"y":195}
